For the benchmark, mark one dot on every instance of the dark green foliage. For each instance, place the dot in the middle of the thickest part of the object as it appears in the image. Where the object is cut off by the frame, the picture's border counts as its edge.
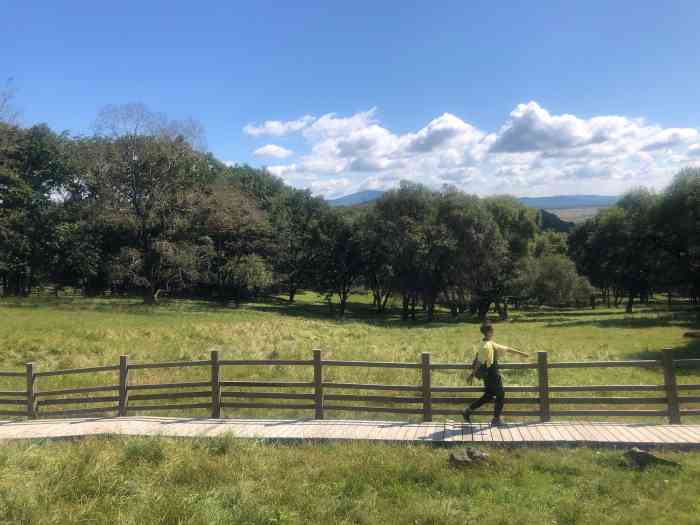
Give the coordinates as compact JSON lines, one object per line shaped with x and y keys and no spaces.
{"x":550,"y":221}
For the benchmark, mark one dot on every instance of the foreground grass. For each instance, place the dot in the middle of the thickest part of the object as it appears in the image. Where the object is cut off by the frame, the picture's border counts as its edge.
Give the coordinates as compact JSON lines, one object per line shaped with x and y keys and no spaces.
{"x":223,"y":481}
{"x":67,"y":333}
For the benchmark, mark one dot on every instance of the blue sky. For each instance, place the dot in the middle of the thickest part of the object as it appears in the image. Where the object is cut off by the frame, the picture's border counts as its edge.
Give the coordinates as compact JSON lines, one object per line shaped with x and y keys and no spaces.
{"x":531,"y":98}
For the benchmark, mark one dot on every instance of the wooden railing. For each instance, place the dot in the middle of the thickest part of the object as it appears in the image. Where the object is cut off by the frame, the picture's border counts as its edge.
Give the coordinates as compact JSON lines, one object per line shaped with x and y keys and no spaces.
{"x":424,"y":399}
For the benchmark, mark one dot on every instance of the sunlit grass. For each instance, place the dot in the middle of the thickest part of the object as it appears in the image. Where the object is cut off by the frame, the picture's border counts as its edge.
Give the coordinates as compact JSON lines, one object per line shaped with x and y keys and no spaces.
{"x":77,"y":332}
{"x":223,"y":481}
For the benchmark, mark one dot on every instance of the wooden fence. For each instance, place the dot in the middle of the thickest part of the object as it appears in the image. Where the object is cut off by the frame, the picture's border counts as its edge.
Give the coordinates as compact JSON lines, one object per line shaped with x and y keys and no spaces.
{"x":422,"y":399}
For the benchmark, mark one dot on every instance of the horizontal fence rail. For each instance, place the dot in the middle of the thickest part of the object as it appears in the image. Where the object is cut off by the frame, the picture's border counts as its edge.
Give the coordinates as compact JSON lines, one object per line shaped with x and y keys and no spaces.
{"x":669,"y":400}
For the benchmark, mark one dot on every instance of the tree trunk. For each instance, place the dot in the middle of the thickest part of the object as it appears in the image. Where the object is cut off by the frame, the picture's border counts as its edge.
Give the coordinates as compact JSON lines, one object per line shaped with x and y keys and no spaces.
{"x":484,"y":309}
{"x":630,"y":302}
{"x":150,"y":295}
{"x":502,"y":310}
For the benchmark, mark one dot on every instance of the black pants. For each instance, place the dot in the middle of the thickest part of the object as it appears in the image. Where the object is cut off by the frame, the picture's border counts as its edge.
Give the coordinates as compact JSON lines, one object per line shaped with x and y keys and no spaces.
{"x":493,"y":391}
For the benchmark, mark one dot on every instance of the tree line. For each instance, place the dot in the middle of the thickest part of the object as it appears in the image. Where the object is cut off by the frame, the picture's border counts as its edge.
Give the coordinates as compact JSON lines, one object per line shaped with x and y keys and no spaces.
{"x":141,"y":207}
{"x":648,"y":242}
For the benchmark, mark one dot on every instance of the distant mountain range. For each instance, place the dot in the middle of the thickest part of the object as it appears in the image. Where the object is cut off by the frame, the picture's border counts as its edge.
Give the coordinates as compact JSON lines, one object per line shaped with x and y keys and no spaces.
{"x":353,"y":199}
{"x":556,"y":202}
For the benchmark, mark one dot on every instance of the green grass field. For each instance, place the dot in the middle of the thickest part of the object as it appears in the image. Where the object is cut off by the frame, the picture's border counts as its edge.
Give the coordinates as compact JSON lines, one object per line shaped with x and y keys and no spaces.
{"x":71,"y":333}
{"x":233,"y":481}
{"x":225,"y":481}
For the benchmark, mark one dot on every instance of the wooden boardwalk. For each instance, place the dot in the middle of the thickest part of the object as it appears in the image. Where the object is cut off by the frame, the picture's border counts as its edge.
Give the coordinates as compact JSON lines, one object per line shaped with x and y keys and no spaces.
{"x":439,"y":433}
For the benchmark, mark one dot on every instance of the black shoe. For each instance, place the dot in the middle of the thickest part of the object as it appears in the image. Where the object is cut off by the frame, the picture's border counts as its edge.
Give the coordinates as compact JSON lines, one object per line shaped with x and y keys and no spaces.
{"x":497,"y":422}
{"x":467,"y":416}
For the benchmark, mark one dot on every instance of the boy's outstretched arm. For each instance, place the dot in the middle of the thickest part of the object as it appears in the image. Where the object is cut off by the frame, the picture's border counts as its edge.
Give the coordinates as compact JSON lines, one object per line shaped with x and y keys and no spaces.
{"x":503,"y":348}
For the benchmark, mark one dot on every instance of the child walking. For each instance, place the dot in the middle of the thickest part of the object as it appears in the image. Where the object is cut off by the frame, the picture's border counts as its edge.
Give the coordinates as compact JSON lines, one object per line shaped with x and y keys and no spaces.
{"x":485,"y":366}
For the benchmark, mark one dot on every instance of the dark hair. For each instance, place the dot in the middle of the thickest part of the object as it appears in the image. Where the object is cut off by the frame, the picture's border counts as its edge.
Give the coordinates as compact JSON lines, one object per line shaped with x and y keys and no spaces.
{"x":486,"y":327}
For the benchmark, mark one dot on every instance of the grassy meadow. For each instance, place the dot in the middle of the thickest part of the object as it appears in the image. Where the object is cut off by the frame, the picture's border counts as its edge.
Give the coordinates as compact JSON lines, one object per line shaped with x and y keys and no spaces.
{"x":58,"y":333}
{"x":224,"y":480}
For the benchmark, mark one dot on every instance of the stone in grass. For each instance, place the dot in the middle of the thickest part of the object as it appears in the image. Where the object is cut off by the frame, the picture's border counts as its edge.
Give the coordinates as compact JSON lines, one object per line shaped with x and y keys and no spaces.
{"x":467,"y":457}
{"x":695,"y":334}
{"x":642,"y":459}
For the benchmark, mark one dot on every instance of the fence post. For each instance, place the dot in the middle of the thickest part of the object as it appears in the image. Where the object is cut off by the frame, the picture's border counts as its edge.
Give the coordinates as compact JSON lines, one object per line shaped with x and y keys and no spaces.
{"x":318,"y":384}
{"x":123,"y":384}
{"x":543,"y":384}
{"x":427,"y":399}
{"x":215,"y":385}
{"x":674,"y":411}
{"x":31,"y":411}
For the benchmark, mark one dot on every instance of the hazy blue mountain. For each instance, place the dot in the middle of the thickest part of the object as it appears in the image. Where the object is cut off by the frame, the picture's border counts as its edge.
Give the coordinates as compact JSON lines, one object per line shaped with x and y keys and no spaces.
{"x":554,"y":202}
{"x":570,"y":201}
{"x":356,"y":198}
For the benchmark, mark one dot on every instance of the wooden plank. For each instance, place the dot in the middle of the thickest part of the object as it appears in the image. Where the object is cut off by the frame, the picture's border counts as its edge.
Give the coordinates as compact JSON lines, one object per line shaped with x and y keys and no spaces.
{"x":267,"y":395}
{"x":644,"y":363}
{"x":358,"y":386}
{"x":608,"y":400}
{"x":145,"y":408}
{"x":266,"y":362}
{"x":469,"y":400}
{"x":468,"y":366}
{"x":13,"y":393}
{"x":426,"y":394}
{"x":169,"y":364}
{"x":169,"y":395}
{"x":438,"y":389}
{"x":377,"y":399}
{"x":688,"y":387}
{"x":77,"y":400}
{"x":11,"y":374}
{"x":674,"y":415}
{"x":79,"y":390}
{"x":215,"y":385}
{"x":280,"y":406}
{"x":607,"y":388}
{"x":123,"y":385}
{"x":12,"y":413}
{"x":22,"y":402}
{"x":159,"y":386}
{"x":77,"y":412}
{"x":387,"y":410}
{"x":271,"y":384}
{"x":689,"y":399}
{"x":543,"y":386}
{"x":369,"y":364}
{"x":608,"y":413}
{"x":318,"y":385}
{"x":67,"y":371}
{"x":31,"y":400}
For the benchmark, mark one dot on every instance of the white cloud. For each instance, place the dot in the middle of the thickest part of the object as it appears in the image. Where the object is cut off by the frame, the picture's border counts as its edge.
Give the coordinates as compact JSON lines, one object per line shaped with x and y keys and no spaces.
{"x":533,"y":152}
{"x":278,"y":128}
{"x":272,"y":150}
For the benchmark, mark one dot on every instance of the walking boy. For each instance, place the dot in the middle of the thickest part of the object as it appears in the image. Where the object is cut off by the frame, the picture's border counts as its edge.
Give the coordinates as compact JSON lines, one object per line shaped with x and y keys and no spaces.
{"x":485,"y":366}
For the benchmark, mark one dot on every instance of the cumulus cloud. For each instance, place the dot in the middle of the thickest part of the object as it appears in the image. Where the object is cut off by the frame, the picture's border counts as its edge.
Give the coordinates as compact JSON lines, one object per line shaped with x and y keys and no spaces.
{"x":532,"y":152}
{"x":272,"y":150}
{"x":278,"y":128}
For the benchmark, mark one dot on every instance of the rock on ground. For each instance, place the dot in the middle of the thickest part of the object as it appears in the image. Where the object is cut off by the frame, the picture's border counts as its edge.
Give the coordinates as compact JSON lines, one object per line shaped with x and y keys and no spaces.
{"x":466,"y":457}
{"x":641,"y":458}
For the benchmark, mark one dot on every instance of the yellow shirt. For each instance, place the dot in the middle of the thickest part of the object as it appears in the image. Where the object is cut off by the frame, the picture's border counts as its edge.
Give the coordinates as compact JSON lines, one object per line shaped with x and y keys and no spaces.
{"x":487,"y":351}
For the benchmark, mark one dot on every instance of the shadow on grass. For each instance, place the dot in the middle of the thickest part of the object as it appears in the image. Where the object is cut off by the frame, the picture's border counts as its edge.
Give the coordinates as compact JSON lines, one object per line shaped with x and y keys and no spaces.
{"x":357,"y":312}
{"x":691,"y":350}
{"x":687,"y":318}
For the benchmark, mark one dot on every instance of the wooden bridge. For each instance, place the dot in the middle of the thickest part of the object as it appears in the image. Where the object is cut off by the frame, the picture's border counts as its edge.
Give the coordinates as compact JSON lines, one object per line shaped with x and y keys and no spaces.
{"x":215,"y":399}
{"x":444,"y":433}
